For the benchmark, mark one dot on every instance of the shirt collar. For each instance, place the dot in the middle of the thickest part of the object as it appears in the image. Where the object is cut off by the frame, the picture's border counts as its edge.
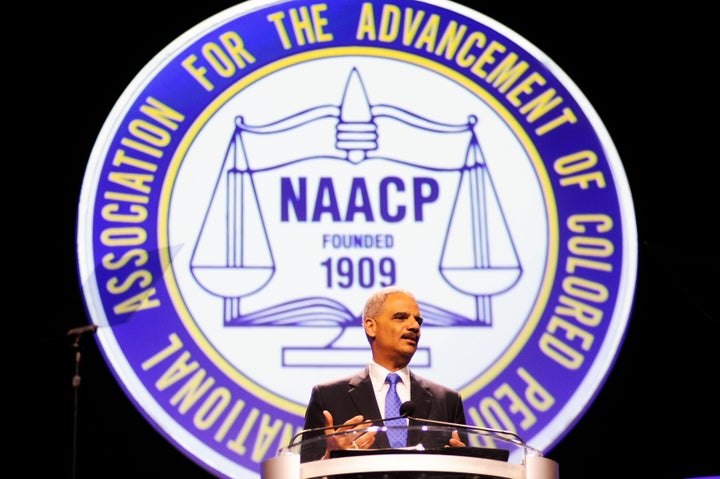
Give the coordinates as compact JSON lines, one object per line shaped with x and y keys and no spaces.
{"x":379,"y":373}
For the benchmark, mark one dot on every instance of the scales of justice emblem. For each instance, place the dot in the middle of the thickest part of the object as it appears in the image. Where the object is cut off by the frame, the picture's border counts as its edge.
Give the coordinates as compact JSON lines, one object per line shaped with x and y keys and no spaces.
{"x":233,"y":256}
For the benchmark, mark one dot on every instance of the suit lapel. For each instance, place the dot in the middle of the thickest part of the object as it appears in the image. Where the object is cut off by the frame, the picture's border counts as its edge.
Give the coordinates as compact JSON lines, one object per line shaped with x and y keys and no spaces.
{"x":421,"y":397}
{"x":423,"y":400}
{"x":363,"y":396}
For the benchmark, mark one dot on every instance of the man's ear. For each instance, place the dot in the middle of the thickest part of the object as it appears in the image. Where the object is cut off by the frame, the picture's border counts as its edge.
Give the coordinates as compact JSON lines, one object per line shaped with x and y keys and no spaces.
{"x":369,"y":325}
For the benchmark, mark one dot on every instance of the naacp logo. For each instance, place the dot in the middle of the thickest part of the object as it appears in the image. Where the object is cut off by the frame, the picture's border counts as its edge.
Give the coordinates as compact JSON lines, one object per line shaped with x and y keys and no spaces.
{"x":280,"y":161}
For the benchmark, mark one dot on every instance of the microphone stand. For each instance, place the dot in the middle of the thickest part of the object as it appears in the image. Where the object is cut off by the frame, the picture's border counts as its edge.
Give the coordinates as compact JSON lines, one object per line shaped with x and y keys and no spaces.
{"x":77,"y":333}
{"x":513,"y":437}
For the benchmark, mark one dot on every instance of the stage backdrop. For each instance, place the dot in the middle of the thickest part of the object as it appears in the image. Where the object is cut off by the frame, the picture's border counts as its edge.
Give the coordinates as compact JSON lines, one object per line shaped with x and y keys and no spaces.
{"x":279,"y":161}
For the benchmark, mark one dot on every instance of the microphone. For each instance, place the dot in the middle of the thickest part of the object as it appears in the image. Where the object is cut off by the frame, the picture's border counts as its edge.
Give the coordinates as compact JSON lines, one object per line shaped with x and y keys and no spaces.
{"x":90,"y":328}
{"x":406,"y":409}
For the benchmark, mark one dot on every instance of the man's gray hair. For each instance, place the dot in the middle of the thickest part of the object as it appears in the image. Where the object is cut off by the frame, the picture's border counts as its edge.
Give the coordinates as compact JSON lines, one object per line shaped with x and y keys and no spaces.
{"x":374,"y":303}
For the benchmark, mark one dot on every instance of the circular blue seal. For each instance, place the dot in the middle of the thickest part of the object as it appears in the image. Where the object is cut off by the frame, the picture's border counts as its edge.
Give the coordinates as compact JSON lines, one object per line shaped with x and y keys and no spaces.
{"x":279,"y":161}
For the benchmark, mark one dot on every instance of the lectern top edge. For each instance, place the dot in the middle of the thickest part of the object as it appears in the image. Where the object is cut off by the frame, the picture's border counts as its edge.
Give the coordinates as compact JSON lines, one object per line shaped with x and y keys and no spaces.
{"x":488,"y":452}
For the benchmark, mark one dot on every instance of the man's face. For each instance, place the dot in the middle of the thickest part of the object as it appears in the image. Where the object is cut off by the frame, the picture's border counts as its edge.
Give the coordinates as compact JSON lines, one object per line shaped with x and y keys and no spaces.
{"x":396,"y":330}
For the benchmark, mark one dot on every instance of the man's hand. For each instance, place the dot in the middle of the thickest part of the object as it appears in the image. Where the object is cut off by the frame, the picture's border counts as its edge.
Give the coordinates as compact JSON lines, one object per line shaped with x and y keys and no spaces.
{"x":356,"y":434}
{"x":455,"y":440}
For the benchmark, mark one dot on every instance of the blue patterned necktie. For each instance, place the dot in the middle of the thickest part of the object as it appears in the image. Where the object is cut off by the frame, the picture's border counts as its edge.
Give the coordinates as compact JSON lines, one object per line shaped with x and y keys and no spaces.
{"x":397,"y":433}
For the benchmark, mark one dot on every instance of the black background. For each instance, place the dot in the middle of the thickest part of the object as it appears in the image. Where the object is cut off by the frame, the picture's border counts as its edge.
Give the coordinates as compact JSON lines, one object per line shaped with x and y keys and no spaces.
{"x":647,"y":72}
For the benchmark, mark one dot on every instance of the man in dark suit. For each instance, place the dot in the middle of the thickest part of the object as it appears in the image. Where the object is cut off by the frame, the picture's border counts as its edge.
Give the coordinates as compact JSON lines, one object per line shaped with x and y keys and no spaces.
{"x":392,"y":321}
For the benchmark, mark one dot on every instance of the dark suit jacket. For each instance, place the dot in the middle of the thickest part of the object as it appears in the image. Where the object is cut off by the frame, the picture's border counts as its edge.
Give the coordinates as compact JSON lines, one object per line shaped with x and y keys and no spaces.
{"x":353,"y":395}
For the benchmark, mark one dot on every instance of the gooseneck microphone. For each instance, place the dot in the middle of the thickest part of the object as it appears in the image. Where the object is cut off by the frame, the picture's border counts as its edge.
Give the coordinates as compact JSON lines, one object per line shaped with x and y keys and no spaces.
{"x":406,"y":409}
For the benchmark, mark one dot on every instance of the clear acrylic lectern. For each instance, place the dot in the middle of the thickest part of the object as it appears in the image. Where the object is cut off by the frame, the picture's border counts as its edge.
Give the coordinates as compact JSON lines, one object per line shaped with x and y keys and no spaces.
{"x":488,"y":454}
